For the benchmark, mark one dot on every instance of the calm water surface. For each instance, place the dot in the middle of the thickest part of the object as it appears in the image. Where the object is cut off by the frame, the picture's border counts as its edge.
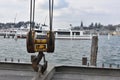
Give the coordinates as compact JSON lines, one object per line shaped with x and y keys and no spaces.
{"x":68,"y":52}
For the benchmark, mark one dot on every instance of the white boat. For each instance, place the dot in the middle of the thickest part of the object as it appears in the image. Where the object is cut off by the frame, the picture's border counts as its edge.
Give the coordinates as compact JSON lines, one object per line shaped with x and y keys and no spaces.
{"x":7,"y":33}
{"x":23,"y":30}
{"x":21,"y":33}
{"x":62,"y":34}
{"x":68,"y":34}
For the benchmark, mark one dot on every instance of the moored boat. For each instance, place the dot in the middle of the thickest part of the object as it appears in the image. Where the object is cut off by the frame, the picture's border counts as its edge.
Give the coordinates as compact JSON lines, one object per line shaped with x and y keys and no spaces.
{"x":69,"y":34}
{"x":60,"y":34}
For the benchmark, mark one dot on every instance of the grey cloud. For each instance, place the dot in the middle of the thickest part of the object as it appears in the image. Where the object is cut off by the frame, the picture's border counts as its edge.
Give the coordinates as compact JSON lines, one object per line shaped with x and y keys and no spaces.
{"x":61,"y":4}
{"x":22,"y":0}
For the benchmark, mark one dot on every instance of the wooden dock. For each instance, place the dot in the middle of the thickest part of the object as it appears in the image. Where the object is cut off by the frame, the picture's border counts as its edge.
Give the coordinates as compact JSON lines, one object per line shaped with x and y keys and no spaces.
{"x":23,"y":71}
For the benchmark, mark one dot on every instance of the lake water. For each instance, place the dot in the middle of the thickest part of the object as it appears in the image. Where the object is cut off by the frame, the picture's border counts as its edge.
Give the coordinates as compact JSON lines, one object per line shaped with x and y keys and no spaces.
{"x":68,"y":52}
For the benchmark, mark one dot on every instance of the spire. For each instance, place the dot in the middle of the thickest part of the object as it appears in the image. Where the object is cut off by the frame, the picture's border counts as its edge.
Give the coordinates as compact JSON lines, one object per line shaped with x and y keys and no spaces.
{"x":81,"y":24}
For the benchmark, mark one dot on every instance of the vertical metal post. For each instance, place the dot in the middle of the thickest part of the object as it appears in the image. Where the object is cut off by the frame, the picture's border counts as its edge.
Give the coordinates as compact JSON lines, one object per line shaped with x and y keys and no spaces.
{"x":88,"y":64}
{"x":84,"y":61}
{"x":118,"y":66}
{"x":110,"y":66}
{"x":18,"y":60}
{"x":94,"y":50}
{"x":103,"y":65}
{"x":5,"y":59}
{"x":11,"y":59}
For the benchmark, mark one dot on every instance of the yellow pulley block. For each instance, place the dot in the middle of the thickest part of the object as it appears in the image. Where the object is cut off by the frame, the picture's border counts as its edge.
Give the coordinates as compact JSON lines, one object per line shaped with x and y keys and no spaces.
{"x":41,"y":42}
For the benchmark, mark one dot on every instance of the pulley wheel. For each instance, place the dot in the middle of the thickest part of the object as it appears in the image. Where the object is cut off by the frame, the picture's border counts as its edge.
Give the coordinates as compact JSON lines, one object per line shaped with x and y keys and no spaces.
{"x":30,"y":42}
{"x":51,"y":43}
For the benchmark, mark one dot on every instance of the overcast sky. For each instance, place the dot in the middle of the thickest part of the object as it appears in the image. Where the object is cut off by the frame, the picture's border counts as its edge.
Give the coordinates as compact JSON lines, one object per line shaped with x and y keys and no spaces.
{"x":65,"y":11}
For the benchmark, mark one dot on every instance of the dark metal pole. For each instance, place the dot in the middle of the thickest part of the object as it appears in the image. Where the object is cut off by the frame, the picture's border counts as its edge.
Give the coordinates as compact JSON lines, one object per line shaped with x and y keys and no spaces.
{"x":51,"y":18}
{"x":30,"y":14}
{"x":51,"y":13}
{"x":33,"y":13}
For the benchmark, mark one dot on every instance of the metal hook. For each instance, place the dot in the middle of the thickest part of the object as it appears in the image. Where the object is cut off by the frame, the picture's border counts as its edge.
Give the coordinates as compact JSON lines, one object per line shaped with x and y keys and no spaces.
{"x":35,"y":62}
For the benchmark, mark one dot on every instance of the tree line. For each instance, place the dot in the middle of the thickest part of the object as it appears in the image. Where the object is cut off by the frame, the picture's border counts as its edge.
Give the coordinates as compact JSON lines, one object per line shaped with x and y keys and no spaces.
{"x":92,"y":26}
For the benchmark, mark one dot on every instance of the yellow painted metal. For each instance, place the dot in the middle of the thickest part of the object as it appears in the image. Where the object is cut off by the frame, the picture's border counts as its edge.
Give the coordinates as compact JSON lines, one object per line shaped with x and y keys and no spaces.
{"x":40,"y":47}
{"x":40,"y":41}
